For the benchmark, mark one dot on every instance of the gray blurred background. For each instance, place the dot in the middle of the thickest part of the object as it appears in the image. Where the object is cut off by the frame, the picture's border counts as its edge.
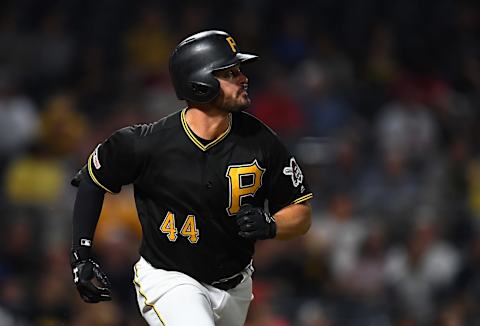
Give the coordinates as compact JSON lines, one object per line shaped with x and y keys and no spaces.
{"x":379,"y":101}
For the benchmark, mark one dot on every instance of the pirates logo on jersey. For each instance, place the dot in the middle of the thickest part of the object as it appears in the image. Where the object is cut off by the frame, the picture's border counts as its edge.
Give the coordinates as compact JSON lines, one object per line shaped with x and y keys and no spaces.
{"x":243,"y":180}
{"x":294,"y":172}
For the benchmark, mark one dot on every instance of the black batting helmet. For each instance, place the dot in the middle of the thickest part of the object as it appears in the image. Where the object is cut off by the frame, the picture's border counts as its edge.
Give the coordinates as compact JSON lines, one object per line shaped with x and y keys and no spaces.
{"x":195,"y":59}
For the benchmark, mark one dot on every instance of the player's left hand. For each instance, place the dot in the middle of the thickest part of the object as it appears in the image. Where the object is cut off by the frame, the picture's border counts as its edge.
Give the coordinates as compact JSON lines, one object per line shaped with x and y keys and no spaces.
{"x":255,"y":223}
{"x":91,"y":282}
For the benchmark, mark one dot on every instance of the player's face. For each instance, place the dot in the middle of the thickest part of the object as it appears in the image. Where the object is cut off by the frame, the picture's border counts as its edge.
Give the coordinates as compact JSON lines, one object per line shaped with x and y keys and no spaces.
{"x":233,"y":90}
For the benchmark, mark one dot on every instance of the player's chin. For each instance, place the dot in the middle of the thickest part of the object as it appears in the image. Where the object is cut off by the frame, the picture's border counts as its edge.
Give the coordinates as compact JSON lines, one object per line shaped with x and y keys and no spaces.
{"x":245,"y":104}
{"x":245,"y":99}
{"x":242,"y":103}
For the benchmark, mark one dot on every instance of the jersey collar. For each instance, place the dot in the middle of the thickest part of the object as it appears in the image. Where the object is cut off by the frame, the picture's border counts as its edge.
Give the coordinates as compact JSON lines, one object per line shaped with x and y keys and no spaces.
{"x":195,"y":139}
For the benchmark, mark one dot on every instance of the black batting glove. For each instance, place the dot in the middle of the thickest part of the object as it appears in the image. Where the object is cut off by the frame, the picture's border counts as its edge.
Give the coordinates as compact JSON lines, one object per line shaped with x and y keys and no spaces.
{"x":255,"y":223}
{"x":92,"y":284}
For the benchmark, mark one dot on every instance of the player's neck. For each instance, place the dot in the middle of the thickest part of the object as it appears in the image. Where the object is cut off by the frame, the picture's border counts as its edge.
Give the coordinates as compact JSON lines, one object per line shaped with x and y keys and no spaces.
{"x":207,"y":124}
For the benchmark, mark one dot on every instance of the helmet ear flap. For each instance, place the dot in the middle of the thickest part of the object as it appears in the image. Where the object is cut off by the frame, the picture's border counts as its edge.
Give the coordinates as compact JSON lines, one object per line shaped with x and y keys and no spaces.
{"x":204,"y":92}
{"x":200,"y":89}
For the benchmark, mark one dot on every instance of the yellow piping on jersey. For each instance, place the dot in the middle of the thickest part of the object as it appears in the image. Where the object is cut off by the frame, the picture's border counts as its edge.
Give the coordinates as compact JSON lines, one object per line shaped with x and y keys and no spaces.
{"x":137,"y":283}
{"x":195,"y":140}
{"x":303,"y":198}
{"x":90,"y":172}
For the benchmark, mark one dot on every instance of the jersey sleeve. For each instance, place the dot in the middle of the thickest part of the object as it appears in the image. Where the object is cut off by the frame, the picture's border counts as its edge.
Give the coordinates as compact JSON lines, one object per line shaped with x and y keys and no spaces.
{"x":287,"y":184}
{"x":116,"y":161}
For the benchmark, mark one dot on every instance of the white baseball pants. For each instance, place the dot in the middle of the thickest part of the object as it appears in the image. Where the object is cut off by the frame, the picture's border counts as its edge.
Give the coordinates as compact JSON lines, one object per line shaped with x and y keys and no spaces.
{"x":169,"y":298}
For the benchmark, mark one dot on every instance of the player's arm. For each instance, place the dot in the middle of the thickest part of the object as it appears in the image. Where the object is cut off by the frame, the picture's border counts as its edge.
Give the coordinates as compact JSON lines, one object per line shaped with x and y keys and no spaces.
{"x":111,"y":165}
{"x":86,"y":211}
{"x":293,"y":221}
{"x":92,"y":284}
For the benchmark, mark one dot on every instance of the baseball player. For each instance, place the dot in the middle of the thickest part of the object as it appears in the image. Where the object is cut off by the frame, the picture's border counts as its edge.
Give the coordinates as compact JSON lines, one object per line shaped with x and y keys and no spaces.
{"x":209,"y":181}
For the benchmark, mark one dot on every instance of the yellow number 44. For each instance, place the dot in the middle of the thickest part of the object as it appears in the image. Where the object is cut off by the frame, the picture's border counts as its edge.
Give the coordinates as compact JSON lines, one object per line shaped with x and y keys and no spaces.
{"x":188,"y":230}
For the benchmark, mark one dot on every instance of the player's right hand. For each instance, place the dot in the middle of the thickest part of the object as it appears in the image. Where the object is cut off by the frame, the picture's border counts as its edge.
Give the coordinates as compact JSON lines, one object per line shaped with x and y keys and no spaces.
{"x":91,"y":282}
{"x":255,"y":223}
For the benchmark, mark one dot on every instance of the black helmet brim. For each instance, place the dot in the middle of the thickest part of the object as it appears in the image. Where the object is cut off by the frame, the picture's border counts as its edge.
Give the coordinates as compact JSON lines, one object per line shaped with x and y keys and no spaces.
{"x":240,"y":58}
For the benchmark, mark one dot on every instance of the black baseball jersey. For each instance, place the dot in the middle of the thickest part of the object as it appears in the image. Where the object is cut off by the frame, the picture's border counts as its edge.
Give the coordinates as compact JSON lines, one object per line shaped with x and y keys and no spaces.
{"x":187,"y":190}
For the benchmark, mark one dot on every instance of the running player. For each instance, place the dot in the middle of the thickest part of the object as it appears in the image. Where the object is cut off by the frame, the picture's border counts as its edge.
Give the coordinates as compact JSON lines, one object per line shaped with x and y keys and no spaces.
{"x":209,"y":181}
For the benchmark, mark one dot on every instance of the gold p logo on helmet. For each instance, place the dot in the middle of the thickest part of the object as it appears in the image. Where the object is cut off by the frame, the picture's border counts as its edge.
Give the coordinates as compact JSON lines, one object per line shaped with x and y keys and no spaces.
{"x":232,"y":44}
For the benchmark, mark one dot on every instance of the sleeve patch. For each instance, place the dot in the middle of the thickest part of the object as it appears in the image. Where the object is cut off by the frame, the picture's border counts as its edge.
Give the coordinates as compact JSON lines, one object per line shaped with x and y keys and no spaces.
{"x":96,"y":161}
{"x":92,"y":176}
{"x":294,"y":171}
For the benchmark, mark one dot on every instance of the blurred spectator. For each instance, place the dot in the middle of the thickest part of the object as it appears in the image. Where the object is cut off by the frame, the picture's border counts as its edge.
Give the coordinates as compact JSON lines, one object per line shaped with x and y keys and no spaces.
{"x":118,"y":215}
{"x":261,"y":314}
{"x":62,"y":126}
{"x":52,"y":54}
{"x":36,"y":178}
{"x":15,"y":48}
{"x":345,"y":172}
{"x":119,"y":251}
{"x":457,"y":182}
{"x":363,"y":289}
{"x":160,"y":99}
{"x":391,"y":191}
{"x":327,"y":112}
{"x":105,"y":314}
{"x":20,"y":250}
{"x":467,"y":283}
{"x":334,"y":62}
{"x":19,"y":246}
{"x":290,"y":45}
{"x":454,"y":315}
{"x":15,"y":298}
{"x":52,"y":300}
{"x":405,"y":127}
{"x":421,"y":272}
{"x":380,"y":64}
{"x":366,"y":279}
{"x":148,"y":43}
{"x":5,"y":317}
{"x":337,"y":234}
{"x":18,"y":117}
{"x":276,"y":106}
{"x":95,"y":85}
{"x":312,"y":314}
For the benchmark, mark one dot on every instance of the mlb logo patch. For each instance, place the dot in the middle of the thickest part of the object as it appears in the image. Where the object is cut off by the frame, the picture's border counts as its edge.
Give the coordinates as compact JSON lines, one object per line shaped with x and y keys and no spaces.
{"x":86,"y":242}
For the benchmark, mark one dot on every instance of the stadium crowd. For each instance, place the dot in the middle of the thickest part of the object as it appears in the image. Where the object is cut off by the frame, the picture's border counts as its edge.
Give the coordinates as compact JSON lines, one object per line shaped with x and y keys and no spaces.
{"x":379,"y":101}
